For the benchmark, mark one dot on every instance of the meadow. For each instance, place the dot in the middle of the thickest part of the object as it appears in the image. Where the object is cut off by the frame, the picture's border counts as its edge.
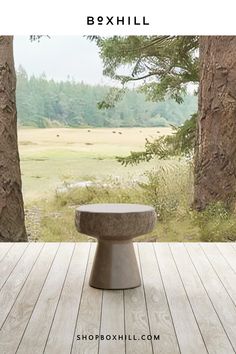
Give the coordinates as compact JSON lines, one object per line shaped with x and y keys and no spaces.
{"x":54,"y":161}
{"x":53,"y":157}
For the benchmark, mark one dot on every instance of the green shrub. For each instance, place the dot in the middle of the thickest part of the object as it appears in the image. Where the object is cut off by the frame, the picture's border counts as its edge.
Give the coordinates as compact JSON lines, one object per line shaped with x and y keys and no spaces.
{"x":216,"y":224}
{"x":168,"y":188}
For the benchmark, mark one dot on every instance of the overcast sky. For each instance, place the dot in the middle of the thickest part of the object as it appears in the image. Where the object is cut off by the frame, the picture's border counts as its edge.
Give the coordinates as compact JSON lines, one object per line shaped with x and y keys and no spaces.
{"x":60,"y":56}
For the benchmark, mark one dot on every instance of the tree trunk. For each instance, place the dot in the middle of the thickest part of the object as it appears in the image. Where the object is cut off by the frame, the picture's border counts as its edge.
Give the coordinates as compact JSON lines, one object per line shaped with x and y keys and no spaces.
{"x":12,"y":226}
{"x":215,"y":157}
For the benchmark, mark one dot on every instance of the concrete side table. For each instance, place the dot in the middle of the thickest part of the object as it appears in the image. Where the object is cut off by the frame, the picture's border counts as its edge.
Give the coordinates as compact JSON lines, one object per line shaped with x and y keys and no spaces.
{"x":114,"y":226}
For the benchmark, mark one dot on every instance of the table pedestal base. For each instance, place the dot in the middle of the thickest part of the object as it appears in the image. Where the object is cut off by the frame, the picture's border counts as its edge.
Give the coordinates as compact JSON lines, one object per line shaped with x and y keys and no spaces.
{"x":115,"y":266}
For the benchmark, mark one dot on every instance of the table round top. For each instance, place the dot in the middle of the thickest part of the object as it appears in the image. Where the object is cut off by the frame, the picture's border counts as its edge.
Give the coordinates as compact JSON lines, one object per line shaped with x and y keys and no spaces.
{"x":118,"y":208}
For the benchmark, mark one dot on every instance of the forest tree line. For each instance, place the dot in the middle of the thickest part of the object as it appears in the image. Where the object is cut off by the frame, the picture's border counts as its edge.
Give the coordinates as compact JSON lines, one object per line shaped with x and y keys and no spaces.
{"x":47,"y":103}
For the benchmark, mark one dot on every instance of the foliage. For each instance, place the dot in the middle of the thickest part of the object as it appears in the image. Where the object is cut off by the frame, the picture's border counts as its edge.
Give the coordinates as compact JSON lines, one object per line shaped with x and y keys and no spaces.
{"x":62,"y":205}
{"x":41,"y":102}
{"x":180,"y":143}
{"x":169,"y":189}
{"x":164,"y":64}
{"x":170,"y":199}
{"x":114,"y":94}
{"x":216,"y":223}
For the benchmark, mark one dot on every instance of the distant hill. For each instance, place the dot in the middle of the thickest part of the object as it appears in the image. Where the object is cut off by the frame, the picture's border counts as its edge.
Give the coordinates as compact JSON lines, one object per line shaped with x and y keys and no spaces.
{"x":46,"y":103}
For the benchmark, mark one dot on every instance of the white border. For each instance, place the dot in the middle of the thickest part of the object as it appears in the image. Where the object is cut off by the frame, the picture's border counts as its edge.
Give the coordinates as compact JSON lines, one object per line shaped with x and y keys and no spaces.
{"x":166,"y":17}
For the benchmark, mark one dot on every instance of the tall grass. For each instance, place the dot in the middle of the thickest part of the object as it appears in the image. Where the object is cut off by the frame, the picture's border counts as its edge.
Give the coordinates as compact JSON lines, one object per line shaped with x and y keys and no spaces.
{"x":168,"y":188}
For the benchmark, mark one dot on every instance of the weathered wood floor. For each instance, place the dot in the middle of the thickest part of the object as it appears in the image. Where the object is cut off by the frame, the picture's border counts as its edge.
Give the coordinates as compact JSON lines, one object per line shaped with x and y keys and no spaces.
{"x":188,"y":298}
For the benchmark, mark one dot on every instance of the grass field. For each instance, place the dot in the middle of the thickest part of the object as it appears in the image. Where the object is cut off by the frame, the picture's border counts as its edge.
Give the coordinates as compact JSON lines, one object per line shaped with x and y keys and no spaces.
{"x":51,"y":157}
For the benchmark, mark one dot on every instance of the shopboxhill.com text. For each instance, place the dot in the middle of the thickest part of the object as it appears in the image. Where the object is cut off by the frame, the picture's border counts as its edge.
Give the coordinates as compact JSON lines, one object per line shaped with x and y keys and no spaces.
{"x":117,"y":21}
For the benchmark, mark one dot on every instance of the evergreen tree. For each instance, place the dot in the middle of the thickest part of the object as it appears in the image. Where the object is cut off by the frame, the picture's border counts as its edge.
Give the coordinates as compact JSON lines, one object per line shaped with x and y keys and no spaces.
{"x":12,"y":227}
{"x":45,"y":103}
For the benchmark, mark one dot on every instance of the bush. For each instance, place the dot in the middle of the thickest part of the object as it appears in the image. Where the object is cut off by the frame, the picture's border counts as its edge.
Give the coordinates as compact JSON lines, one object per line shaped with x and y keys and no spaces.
{"x":216,"y":224}
{"x":169,"y":189}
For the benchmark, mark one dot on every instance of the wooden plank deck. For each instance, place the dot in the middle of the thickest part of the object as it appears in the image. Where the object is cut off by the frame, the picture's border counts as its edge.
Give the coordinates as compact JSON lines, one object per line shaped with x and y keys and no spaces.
{"x":187,"y":301}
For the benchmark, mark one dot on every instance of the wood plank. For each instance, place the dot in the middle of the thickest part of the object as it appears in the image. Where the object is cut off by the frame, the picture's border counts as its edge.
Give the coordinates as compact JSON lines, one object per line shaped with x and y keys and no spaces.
{"x":16,"y":322}
{"x":11,"y":259}
{"x":158,"y":310}
{"x":16,"y":280}
{"x":35,"y":336}
{"x":88,"y":322}
{"x":224,"y":271}
{"x":112,"y":322}
{"x":62,"y":331}
{"x":233,"y":245}
{"x":136,"y":317}
{"x":188,"y":334}
{"x":4,"y":248}
{"x":228,"y":252}
{"x":211,"y":328}
{"x":199,"y":287}
{"x":216,"y":291}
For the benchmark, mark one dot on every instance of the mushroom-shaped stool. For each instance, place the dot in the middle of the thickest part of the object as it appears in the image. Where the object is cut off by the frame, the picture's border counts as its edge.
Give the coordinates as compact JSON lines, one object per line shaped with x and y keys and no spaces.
{"x":114,"y":225}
